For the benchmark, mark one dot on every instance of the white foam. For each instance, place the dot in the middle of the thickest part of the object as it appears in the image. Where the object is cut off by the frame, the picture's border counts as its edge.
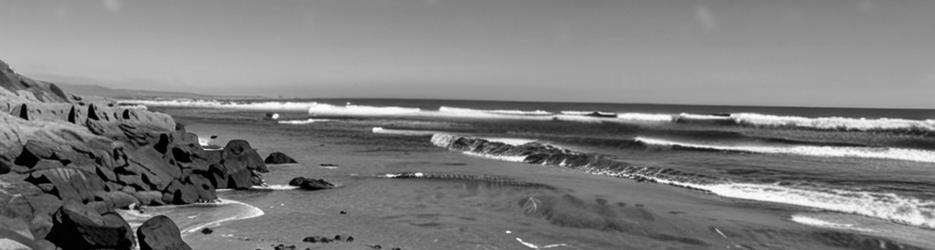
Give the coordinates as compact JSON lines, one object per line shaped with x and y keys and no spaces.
{"x":888,"y":206}
{"x":322,"y":109}
{"x":819,"y":151}
{"x":893,"y":207}
{"x":815,"y":222}
{"x":509,"y":158}
{"x":645,"y":117}
{"x":302,"y":122}
{"x":510,"y":141}
{"x":275,"y":187}
{"x":253,"y":212}
{"x":467,"y":112}
{"x":837,"y":123}
{"x":689,"y":116}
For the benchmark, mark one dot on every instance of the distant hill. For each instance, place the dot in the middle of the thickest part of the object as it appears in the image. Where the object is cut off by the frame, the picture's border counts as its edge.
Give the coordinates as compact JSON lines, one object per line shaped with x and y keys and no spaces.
{"x":97,"y":90}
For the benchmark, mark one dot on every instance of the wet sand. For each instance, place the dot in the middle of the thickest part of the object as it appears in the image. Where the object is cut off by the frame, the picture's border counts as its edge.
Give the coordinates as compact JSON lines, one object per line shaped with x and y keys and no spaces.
{"x":475,"y":203}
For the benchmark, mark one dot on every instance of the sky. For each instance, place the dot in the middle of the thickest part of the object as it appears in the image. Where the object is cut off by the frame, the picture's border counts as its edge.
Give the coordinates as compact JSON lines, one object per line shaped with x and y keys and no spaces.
{"x":842,"y":53}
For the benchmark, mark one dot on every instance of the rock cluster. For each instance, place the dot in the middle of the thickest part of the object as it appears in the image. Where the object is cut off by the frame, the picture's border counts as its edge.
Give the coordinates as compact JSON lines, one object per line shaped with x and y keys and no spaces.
{"x":68,"y":164}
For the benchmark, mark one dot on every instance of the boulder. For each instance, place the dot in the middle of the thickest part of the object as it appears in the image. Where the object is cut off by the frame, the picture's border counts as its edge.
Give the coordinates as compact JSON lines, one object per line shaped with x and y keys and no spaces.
{"x":181,"y":193}
{"x":69,"y":183}
{"x":279,"y":158}
{"x":116,"y":199}
{"x":240,"y":151}
{"x":149,"y":197}
{"x":160,"y":233}
{"x":202,"y":186}
{"x":79,"y":227}
{"x":310,"y":184}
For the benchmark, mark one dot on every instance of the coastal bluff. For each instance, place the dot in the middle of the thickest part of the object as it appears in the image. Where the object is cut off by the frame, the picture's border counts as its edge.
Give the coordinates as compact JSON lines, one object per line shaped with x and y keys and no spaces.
{"x":67,"y":164}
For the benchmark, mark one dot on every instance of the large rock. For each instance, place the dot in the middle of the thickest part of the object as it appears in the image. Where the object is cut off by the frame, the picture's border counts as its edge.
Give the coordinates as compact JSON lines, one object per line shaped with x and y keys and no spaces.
{"x":78,"y":227}
{"x":279,"y":158}
{"x":240,"y":151}
{"x":116,"y":199}
{"x":160,"y":233}
{"x":310,"y":183}
{"x":68,"y":183}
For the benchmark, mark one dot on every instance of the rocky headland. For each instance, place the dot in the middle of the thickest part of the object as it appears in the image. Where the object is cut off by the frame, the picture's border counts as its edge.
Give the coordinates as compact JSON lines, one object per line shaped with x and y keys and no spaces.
{"x":67,"y":164}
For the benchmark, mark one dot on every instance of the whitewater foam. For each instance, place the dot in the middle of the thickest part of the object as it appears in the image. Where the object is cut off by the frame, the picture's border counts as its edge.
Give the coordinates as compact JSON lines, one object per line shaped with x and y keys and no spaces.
{"x":819,"y":151}
{"x":250,"y":212}
{"x":832,"y":123}
{"x":322,"y":109}
{"x":302,"y":122}
{"x":815,"y":222}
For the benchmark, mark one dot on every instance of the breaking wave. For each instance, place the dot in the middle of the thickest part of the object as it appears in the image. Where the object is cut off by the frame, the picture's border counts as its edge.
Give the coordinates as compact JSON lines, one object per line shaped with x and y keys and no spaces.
{"x":470,"y":112}
{"x":301,"y":122}
{"x":819,"y":151}
{"x":322,"y":109}
{"x":892,"y":207}
{"x":895,"y":125}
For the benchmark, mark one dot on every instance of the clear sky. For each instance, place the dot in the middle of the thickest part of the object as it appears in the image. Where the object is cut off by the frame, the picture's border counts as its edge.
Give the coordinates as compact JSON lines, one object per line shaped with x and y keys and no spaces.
{"x":870,"y":53}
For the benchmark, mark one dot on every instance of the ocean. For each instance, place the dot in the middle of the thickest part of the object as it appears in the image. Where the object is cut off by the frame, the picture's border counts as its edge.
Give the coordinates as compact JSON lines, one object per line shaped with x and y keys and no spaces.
{"x":863,"y":171}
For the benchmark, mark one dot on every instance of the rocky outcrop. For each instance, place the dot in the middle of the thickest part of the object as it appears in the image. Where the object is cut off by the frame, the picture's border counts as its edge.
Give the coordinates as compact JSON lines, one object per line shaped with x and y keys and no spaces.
{"x":310,"y":183}
{"x":160,"y":233}
{"x":79,"y":227}
{"x":74,"y":162}
{"x":279,"y":158}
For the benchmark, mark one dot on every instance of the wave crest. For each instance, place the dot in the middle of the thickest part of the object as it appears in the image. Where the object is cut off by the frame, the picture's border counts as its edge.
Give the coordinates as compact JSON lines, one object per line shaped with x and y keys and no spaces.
{"x":819,"y":151}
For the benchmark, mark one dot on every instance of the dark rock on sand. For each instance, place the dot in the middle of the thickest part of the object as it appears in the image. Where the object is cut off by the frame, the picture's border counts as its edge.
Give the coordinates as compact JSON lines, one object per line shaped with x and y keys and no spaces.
{"x":279,"y":158}
{"x":310,"y":184}
{"x":78,"y":227}
{"x":160,"y":233}
{"x":207,"y":231}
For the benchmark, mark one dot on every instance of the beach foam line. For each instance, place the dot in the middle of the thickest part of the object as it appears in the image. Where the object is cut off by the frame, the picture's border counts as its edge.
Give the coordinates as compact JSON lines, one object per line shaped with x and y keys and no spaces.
{"x":819,"y":151}
{"x":815,"y":222}
{"x":250,"y":212}
{"x":888,"y":206}
{"x":274,"y":187}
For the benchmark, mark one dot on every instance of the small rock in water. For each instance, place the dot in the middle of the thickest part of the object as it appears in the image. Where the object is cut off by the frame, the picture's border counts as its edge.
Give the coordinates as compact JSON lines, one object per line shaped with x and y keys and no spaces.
{"x":376,"y":247}
{"x":342,"y":212}
{"x":350,"y":238}
{"x":207,"y":230}
{"x":396,"y":248}
{"x":337,"y":237}
{"x":312,"y":239}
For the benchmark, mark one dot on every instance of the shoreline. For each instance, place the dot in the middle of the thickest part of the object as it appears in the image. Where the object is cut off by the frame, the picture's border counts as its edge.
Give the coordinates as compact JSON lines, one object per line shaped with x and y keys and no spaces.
{"x":358,"y":163}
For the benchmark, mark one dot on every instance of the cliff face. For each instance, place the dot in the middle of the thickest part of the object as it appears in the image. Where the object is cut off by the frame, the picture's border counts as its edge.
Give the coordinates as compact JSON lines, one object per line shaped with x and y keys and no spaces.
{"x":66,"y":164}
{"x":16,"y":87}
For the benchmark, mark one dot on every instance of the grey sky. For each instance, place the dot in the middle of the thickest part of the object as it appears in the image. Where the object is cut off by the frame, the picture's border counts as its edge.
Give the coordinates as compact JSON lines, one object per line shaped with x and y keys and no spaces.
{"x":877,"y":53}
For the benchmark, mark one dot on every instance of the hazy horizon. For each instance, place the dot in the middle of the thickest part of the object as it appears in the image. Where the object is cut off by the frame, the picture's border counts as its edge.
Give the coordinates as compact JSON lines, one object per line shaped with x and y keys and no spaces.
{"x":835,"y":53}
